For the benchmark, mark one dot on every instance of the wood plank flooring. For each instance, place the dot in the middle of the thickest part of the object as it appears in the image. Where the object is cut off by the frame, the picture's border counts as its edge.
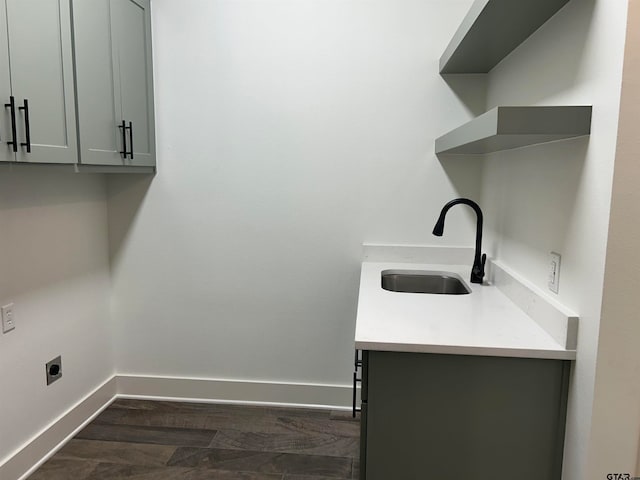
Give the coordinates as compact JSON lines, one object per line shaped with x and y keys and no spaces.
{"x":144,"y":440}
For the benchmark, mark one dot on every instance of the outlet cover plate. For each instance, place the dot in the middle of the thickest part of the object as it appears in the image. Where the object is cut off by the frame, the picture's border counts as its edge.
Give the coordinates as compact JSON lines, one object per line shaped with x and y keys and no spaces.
{"x":54,"y":370}
{"x":8,"y":321}
{"x":554,"y":272}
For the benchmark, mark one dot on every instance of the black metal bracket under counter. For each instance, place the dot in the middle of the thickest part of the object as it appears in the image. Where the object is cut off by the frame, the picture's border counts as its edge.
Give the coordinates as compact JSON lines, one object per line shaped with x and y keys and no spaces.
{"x":357,"y":370}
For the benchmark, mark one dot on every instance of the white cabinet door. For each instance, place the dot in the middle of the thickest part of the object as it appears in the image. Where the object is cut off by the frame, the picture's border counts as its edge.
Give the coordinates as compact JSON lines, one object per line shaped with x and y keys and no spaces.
{"x":99,"y":112}
{"x":6,"y":136}
{"x":132,"y":65}
{"x":112,"y":42}
{"x":39,"y":33}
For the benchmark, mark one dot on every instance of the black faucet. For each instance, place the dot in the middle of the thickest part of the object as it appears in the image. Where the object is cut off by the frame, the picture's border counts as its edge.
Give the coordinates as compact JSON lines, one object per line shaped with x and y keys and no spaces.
{"x":477,"y":271}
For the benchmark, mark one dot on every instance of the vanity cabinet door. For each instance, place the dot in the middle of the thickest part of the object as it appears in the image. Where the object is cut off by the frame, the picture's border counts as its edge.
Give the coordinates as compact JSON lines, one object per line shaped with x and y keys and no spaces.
{"x":42,"y":84}
{"x":362,"y":363}
{"x":453,"y":416}
{"x":364,"y":416}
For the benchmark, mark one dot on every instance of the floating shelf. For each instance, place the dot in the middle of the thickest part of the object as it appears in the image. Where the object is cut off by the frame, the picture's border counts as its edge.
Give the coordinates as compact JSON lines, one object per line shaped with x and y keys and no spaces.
{"x":491,"y":30}
{"x":504,"y":128}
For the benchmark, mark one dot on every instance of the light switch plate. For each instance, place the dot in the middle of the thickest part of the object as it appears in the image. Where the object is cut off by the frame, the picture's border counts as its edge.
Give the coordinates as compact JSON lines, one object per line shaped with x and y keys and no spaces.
{"x":8,"y":321}
{"x":554,"y":272}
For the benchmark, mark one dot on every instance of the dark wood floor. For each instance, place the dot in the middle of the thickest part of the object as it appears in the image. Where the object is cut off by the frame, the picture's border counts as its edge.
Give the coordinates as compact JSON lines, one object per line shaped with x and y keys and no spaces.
{"x":144,"y":440}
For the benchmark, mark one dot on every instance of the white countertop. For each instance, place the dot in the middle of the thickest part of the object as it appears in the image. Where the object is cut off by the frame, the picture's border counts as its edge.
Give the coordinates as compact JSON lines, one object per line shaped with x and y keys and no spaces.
{"x":484,"y":322}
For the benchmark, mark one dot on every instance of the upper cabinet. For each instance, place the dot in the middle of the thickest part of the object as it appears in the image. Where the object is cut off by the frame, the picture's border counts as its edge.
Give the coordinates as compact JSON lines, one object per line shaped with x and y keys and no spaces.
{"x":491,"y":30}
{"x":114,"y":75}
{"x":36,"y":82}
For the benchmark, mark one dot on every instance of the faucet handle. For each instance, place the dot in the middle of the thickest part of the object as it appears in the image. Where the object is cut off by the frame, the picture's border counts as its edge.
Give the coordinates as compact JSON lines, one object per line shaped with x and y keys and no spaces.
{"x":483,"y":260}
{"x":477,"y":272}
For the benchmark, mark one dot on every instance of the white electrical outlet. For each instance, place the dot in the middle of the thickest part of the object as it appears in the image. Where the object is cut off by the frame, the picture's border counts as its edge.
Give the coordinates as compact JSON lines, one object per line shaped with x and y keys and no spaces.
{"x":8,"y":322}
{"x":554,"y":272}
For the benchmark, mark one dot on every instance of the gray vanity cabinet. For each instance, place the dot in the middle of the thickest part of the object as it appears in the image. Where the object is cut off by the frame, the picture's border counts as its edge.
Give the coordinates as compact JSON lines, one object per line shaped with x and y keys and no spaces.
{"x":112,"y":42}
{"x":453,"y":416}
{"x":38,"y":124}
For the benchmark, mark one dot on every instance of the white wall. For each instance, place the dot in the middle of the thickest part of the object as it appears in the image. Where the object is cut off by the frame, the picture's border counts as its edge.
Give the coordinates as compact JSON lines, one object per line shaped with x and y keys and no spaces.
{"x":556,"y":197}
{"x":54,"y":267}
{"x":289,"y":133}
{"x":616,"y":417}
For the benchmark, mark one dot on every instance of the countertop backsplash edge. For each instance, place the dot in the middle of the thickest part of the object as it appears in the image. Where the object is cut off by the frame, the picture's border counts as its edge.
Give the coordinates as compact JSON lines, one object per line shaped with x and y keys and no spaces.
{"x":556,"y":319}
{"x":372,"y":252}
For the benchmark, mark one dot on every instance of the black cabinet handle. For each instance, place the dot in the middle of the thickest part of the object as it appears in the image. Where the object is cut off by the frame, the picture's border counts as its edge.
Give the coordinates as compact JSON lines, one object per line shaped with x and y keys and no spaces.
{"x":131,"y":140}
{"x":27,"y":127}
{"x":12,"y":106}
{"x":123,"y":128}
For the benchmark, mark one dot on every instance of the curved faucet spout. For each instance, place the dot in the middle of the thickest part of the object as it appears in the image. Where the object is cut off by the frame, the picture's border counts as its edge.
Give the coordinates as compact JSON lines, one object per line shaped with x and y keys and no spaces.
{"x":477,"y":271}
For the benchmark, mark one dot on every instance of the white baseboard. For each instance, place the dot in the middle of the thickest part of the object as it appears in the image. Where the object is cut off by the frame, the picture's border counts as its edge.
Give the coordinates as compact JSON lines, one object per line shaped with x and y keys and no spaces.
{"x":45,"y":444}
{"x":336,"y":397}
{"x":38,"y":450}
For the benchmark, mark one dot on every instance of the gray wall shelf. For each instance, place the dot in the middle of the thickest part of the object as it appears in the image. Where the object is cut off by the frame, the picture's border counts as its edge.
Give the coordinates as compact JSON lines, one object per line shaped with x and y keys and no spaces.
{"x":504,"y":128}
{"x":491,"y":30}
